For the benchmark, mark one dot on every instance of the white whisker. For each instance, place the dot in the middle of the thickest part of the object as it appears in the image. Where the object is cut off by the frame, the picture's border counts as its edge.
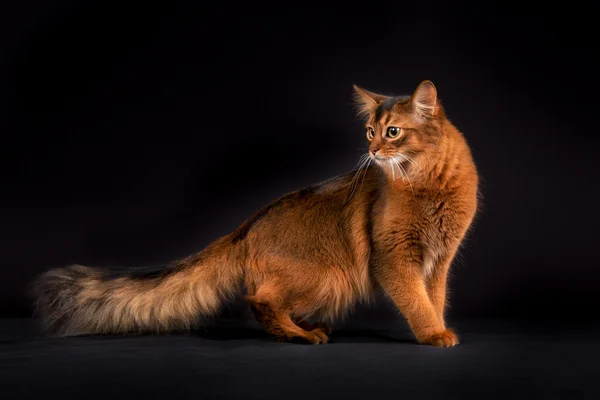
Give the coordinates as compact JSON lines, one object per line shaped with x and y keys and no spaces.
{"x":410,"y":160}
{"x":364,"y":159}
{"x":354,"y":180}
{"x":399,"y":170}
{"x":408,"y":178}
{"x":365,"y":173}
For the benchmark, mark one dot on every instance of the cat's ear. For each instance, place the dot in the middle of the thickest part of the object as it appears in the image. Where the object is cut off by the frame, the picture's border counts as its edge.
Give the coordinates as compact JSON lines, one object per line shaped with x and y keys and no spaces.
{"x":366,"y":101}
{"x":424,"y":100}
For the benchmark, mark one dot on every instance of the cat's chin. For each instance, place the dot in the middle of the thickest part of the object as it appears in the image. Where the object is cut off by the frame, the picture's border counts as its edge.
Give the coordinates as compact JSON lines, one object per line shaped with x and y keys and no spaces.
{"x":382,"y":162}
{"x":393,"y":166}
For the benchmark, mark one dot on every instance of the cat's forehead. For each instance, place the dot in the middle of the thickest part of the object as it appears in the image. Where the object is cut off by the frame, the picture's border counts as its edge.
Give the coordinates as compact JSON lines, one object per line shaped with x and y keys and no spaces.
{"x":390,"y":110}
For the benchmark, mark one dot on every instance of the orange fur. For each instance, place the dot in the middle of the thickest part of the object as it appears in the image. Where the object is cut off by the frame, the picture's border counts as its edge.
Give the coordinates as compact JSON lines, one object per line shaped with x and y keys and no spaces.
{"x":315,"y":253}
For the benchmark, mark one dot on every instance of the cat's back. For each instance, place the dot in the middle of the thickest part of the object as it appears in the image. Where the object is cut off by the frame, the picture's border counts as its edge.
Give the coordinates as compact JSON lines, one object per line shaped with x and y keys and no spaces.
{"x":319,"y":210}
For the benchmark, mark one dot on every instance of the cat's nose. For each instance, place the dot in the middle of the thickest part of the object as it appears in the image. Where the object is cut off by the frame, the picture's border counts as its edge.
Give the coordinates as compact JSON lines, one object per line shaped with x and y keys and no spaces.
{"x":374,"y":150}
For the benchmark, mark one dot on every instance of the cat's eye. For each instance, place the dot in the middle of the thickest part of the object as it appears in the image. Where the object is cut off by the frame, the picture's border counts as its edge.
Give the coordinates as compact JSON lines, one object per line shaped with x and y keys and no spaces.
{"x":370,"y":133}
{"x":393,"y":132}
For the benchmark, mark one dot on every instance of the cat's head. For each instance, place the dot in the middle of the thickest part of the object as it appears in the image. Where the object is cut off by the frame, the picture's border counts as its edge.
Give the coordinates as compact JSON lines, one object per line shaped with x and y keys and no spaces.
{"x":399,"y":129}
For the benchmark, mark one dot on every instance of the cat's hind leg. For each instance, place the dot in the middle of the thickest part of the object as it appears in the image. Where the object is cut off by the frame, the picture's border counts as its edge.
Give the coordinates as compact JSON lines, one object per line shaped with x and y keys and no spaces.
{"x":277,"y":321}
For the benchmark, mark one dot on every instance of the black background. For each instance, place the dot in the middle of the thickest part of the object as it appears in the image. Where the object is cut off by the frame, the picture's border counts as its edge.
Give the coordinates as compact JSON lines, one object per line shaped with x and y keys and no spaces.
{"x":134,"y":133}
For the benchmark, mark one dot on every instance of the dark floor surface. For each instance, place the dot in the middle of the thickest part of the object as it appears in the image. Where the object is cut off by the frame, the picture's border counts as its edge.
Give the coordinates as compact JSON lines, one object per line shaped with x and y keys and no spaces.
{"x":497,"y":359}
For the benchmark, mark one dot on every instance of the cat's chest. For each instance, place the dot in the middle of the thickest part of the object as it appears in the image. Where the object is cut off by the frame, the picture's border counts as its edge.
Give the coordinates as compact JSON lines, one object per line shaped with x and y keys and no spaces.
{"x":428,"y":217}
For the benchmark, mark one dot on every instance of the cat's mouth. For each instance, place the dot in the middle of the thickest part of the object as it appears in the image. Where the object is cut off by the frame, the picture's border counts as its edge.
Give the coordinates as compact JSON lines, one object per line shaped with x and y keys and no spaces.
{"x":378,"y":157}
{"x":400,"y":159}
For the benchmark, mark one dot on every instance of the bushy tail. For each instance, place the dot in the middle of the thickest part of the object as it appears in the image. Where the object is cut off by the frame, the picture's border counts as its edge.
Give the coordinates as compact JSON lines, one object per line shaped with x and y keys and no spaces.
{"x":80,"y":300}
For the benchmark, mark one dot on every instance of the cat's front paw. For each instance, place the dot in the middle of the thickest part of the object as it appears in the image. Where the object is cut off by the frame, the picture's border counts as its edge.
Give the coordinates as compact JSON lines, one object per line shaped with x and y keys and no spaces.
{"x":316,"y":336}
{"x":446,"y":338}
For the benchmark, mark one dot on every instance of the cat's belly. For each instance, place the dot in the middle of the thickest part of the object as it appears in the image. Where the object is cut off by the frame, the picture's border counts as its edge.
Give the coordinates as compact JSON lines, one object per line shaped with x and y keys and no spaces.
{"x":322,"y":273}
{"x":340,"y":289}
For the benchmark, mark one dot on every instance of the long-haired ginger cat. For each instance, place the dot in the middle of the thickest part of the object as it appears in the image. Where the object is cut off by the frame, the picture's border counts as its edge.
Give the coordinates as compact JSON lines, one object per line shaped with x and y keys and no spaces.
{"x":395,"y":224}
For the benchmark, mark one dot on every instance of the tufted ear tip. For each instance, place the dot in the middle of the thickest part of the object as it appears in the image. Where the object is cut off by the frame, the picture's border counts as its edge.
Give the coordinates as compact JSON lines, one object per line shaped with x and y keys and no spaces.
{"x":424,"y":99}
{"x":427,"y":84}
{"x":366,"y":100}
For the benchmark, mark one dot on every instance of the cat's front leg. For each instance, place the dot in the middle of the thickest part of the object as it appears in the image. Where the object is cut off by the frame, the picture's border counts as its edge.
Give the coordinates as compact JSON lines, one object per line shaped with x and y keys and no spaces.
{"x":403,"y":281}
{"x":436,"y":287}
{"x":436,"y":283}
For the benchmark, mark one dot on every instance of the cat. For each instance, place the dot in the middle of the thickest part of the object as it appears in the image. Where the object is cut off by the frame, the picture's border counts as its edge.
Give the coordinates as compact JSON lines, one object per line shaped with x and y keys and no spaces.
{"x":393,"y":224}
